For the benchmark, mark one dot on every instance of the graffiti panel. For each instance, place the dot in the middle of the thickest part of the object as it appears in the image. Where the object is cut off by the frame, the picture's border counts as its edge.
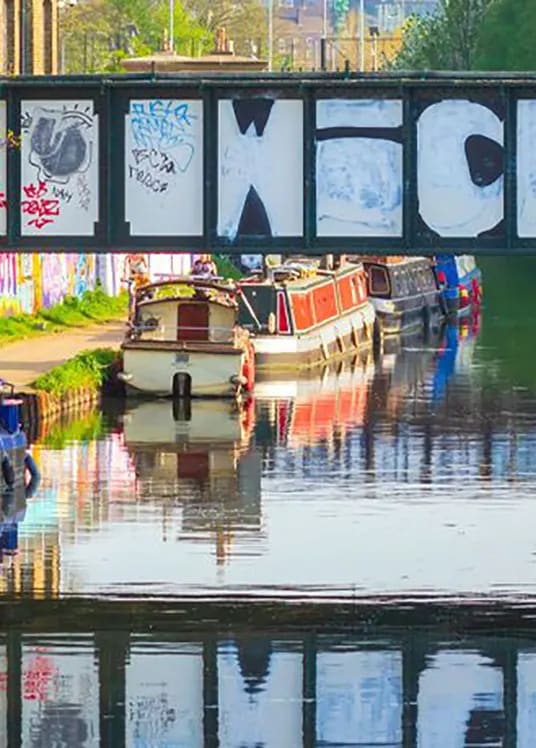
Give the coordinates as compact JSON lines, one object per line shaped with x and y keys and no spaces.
{"x":260,"y":177}
{"x":164,"y":167}
{"x":59,"y":168}
{"x":460,"y":168}
{"x":359,"y":163}
{"x":526,"y":168}
{"x":3,"y":168}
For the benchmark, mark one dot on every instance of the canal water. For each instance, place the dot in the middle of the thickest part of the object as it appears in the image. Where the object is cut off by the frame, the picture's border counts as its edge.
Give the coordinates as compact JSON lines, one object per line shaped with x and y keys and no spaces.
{"x":377,"y":484}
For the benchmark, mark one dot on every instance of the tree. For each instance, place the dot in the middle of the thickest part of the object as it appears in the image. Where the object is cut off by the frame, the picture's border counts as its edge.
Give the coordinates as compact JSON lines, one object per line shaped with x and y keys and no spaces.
{"x":445,"y":40}
{"x":245,"y":22}
{"x":506,"y":39}
{"x":97,"y":34}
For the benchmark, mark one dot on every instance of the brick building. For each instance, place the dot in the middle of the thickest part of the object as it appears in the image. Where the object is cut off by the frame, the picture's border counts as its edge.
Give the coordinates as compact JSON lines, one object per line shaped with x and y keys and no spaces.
{"x":299,"y":28}
{"x":28,"y":37}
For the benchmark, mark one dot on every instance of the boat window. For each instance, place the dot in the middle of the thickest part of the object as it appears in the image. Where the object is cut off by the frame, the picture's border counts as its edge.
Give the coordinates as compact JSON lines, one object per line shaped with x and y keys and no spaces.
{"x":413,"y":283}
{"x":427,"y":279}
{"x":378,"y":281}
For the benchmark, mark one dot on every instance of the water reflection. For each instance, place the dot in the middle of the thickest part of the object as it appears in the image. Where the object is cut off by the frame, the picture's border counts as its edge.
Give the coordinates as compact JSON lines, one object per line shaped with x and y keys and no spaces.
{"x":415,"y":688}
{"x":411,"y":467}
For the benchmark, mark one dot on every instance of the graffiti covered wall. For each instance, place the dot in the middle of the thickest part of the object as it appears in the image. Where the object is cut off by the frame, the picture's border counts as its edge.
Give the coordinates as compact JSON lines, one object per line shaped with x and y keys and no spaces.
{"x":29,"y":282}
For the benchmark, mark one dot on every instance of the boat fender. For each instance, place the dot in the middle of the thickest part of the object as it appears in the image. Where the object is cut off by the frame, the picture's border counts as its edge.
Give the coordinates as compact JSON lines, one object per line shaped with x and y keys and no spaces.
{"x":8,"y":473}
{"x":271,"y":323}
{"x":31,"y":466}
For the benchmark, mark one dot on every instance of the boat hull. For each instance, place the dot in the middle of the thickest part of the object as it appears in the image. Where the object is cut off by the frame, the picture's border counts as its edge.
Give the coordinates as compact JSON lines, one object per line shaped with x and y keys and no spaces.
{"x":164,"y":371}
{"x":333,"y":340}
{"x":403,"y":315}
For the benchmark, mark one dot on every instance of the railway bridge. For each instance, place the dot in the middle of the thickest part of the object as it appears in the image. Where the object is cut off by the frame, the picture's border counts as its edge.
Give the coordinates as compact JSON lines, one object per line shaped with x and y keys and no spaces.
{"x":313,"y":163}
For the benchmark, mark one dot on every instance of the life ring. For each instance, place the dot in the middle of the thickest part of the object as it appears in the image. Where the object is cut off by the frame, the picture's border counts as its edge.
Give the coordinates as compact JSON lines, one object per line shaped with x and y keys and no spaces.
{"x":476,"y":292}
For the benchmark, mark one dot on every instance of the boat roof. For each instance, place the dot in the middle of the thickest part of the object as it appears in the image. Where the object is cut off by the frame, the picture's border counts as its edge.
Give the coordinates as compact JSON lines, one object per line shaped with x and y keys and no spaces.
{"x":217,"y":284}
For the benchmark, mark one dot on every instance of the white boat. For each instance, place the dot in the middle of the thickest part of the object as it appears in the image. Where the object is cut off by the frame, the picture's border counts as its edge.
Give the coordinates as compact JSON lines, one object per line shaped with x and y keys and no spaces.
{"x":184,"y":340}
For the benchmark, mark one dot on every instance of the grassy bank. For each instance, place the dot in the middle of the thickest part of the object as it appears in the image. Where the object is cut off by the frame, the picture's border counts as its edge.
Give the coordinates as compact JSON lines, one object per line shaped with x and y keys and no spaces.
{"x":91,"y":307}
{"x":89,"y":370}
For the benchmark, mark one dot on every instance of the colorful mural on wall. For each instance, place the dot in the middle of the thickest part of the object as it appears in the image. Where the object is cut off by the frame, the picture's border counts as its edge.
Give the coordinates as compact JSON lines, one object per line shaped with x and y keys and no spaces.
{"x":29,"y":282}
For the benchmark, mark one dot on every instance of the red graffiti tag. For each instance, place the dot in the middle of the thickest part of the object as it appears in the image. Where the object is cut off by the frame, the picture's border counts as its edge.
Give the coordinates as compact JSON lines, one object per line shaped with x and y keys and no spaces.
{"x":37,"y":205}
{"x":3,"y":200}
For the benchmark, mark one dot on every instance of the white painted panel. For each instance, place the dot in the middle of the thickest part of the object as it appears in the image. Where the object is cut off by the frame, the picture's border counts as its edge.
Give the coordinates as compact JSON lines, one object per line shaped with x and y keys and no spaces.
{"x":270,"y":162}
{"x":264,"y":708}
{"x":526,"y":699}
{"x":455,"y":689}
{"x":450,"y":203}
{"x":164,"y":167}
{"x":359,"y":698}
{"x":526,"y":168}
{"x":3,"y":168}
{"x":59,"y":688}
{"x":358,"y":179}
{"x":164,"y":698}
{"x":59,"y":168}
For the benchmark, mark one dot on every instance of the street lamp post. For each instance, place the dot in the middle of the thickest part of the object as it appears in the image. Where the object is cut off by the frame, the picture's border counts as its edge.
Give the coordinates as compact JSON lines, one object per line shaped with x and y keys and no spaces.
{"x":171,"y":25}
{"x":324,"y":40}
{"x":362,"y":36}
{"x":270,"y":34}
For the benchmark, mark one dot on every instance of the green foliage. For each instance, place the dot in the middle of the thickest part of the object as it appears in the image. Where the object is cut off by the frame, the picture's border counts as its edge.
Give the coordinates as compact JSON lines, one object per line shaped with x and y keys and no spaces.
{"x":226,"y":268}
{"x":91,"y":307}
{"x":339,"y":11}
{"x":88,"y":370}
{"x":98,"y":34}
{"x":86,"y":429}
{"x":445,"y":40}
{"x":506,"y":39}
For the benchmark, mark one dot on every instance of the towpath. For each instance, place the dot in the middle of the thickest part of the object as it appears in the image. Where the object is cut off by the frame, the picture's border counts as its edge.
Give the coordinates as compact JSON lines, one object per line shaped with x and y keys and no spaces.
{"x":21,"y":362}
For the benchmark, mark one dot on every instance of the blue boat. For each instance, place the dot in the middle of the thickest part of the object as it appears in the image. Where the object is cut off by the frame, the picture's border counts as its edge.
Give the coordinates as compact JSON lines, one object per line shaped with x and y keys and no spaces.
{"x":15,"y":461}
{"x":460,"y":281}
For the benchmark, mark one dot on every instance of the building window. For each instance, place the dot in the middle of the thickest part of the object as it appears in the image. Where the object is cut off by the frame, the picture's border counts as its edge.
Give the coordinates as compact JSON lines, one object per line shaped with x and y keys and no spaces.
{"x":286,"y":3}
{"x":26,"y":37}
{"x":282,"y":46}
{"x":8,"y":42}
{"x":47,"y":36}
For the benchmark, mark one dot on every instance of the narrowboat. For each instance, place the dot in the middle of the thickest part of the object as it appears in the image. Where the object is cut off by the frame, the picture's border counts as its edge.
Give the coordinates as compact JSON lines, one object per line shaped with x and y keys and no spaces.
{"x":460,"y":282}
{"x":302,"y":315}
{"x":184,"y":340}
{"x":404,"y":293}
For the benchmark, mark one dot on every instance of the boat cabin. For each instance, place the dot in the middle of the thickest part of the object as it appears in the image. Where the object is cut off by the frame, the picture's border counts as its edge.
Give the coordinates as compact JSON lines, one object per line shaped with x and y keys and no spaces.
{"x":186,"y":311}
{"x":298,"y":296}
{"x":394,"y":280}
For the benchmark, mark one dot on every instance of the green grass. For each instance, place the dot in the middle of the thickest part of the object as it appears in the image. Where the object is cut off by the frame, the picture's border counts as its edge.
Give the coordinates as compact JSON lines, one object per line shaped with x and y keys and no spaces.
{"x":88,"y":370}
{"x":93,"y":306}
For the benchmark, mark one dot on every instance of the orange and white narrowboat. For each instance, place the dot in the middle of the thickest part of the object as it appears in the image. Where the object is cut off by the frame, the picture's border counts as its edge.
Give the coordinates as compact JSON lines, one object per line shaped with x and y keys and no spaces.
{"x":301,"y":315}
